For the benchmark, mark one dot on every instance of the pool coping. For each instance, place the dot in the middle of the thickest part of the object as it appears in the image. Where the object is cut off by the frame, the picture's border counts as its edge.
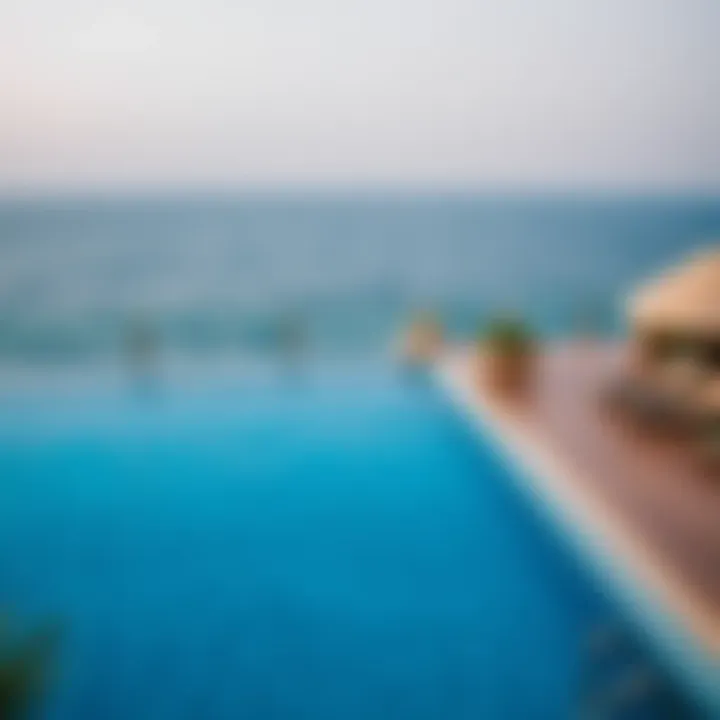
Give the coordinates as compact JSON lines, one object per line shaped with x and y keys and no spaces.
{"x":681,"y":628}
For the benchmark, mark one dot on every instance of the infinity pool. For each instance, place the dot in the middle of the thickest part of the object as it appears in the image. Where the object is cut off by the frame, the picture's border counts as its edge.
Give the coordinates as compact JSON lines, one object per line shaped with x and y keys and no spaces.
{"x":332,"y":546}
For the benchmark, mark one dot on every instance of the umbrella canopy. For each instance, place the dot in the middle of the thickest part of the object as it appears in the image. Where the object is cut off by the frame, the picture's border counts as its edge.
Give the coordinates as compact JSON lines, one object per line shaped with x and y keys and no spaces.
{"x":684,"y":300}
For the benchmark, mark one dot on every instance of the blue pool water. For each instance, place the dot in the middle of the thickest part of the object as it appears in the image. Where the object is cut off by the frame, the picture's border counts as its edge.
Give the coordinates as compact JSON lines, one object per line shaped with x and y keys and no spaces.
{"x":323,"y":546}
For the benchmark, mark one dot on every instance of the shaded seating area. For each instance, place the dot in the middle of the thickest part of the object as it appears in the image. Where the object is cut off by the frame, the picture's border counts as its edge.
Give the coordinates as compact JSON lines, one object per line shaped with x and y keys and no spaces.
{"x":708,"y":441}
{"x":653,"y":407}
{"x":671,"y":379}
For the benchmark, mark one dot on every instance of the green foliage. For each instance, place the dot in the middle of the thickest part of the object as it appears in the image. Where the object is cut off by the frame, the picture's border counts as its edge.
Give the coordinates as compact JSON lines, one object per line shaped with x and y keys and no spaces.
{"x":24,"y":667}
{"x":508,"y":336}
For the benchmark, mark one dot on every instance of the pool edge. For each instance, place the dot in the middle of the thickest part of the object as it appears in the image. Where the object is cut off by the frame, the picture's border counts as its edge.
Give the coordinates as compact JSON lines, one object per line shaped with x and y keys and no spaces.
{"x":686,"y":637}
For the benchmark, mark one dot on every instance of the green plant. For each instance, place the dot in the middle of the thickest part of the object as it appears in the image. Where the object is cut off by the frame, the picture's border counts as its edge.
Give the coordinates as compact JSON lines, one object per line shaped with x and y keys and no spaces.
{"x":508,"y":336}
{"x":24,"y":666}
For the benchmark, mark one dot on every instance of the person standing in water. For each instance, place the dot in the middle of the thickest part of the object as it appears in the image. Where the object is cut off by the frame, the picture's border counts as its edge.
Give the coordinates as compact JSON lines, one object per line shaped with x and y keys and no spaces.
{"x":141,"y":349}
{"x":292,"y":341}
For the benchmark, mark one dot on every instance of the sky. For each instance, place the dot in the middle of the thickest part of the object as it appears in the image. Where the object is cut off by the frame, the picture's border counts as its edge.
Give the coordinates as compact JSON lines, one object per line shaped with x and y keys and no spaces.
{"x":610,"y":94}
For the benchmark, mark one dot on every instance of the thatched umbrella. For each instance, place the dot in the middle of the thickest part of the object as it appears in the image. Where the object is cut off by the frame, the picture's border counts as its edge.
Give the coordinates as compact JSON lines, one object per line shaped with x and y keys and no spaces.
{"x":679,"y":312}
{"x":683,"y":301}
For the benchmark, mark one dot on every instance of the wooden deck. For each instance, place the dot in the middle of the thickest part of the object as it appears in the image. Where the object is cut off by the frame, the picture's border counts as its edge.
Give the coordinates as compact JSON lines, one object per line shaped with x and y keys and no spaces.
{"x":655,"y":511}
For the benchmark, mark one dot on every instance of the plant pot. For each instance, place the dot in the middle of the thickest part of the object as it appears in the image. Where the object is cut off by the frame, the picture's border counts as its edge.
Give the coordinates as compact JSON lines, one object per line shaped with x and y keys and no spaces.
{"x":507,"y":373}
{"x":422,"y":343}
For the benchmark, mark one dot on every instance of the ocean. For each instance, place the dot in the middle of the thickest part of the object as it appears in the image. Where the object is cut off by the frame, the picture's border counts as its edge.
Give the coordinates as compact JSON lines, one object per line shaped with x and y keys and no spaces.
{"x":221,"y":274}
{"x":329,"y":543}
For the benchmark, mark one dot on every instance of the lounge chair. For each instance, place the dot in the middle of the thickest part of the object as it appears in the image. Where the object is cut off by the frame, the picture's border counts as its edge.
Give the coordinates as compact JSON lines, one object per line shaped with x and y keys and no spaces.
{"x":707,"y":419}
{"x":707,"y":449}
{"x":662,"y":402}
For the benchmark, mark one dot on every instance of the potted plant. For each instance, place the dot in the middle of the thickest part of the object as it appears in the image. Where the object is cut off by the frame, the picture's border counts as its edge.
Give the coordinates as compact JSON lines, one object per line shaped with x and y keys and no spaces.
{"x":507,"y":351}
{"x":423,"y":339}
{"x":24,"y":666}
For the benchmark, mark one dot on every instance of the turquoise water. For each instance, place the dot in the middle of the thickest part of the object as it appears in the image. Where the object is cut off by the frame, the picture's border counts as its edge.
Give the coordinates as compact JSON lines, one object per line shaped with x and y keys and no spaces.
{"x":219,"y":274}
{"x":233,"y":543}
{"x":327,"y":545}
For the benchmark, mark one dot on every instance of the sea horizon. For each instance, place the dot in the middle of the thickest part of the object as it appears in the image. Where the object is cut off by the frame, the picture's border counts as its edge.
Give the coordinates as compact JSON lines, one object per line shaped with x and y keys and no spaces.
{"x":222,"y":272}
